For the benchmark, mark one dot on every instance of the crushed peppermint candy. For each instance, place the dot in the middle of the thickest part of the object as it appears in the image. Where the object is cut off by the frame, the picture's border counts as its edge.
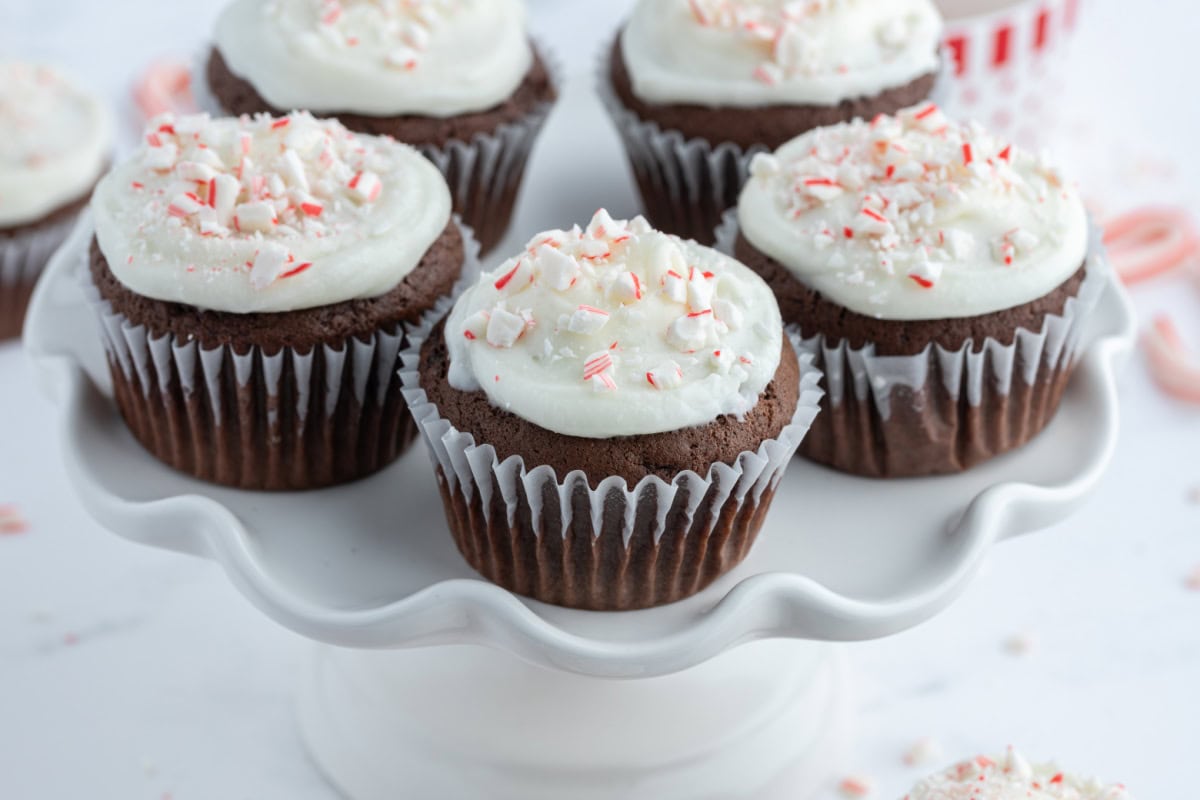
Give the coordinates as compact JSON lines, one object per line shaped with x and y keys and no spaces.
{"x":856,"y":786}
{"x":1011,"y":777}
{"x":395,"y":32}
{"x":797,"y":38}
{"x":897,"y":196}
{"x":11,"y":521}
{"x":922,"y":752}
{"x":616,"y":306}
{"x":264,"y":180}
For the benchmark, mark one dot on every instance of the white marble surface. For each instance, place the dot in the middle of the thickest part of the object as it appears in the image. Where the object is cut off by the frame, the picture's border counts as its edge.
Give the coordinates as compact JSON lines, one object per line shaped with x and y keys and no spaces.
{"x":129,"y":673}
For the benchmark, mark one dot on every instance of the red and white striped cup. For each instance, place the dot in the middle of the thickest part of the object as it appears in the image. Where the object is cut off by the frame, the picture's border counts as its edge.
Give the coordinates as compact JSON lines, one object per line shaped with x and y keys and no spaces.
{"x":1008,"y":64}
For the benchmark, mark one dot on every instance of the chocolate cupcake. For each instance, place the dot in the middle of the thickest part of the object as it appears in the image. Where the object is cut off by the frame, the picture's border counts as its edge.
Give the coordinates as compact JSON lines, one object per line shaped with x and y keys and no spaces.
{"x":940,"y":278}
{"x":255,"y":279}
{"x":697,"y":87}
{"x":55,"y":139}
{"x":609,"y":414}
{"x":1011,"y":777}
{"x":457,"y":79}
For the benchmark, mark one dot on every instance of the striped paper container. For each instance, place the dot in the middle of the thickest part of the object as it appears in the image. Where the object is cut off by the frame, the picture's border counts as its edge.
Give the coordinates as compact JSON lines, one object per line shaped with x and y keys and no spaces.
{"x":1008,"y":64}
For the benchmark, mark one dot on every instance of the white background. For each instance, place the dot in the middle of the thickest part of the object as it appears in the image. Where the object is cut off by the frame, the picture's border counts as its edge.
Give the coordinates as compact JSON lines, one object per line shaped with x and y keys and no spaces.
{"x":129,"y":673}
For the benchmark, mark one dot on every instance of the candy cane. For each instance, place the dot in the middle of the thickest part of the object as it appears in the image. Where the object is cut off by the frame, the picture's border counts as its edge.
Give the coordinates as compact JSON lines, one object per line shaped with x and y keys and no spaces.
{"x":1150,"y":241}
{"x":164,"y":86}
{"x":1170,"y":362}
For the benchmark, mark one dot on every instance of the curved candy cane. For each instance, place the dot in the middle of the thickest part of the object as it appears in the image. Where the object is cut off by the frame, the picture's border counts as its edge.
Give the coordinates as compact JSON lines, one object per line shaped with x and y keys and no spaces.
{"x":1171,"y":364}
{"x":164,"y":86}
{"x":1150,"y":241}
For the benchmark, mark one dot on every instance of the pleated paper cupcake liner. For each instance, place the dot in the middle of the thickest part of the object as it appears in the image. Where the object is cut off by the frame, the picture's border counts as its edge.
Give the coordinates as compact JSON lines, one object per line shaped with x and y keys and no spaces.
{"x":686,"y":184}
{"x":943,"y":411}
{"x":485,"y":174}
{"x":23,"y":256}
{"x":278,"y":421}
{"x":611,"y":547}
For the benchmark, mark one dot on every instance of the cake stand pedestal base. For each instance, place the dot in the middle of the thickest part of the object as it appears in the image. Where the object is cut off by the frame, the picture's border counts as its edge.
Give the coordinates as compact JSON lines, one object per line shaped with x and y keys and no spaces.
{"x":767,"y":720}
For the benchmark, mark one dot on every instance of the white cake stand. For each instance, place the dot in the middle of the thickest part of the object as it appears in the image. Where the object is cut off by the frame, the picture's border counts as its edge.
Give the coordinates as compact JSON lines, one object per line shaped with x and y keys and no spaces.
{"x":431,"y":682}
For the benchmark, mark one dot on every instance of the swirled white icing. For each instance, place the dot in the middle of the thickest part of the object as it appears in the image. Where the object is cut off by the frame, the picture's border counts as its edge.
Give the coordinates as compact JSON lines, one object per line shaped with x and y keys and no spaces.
{"x":751,"y":53}
{"x":267,"y":214}
{"x":437,"y":58}
{"x":54,"y":141}
{"x":1011,"y":777}
{"x":915,"y":217}
{"x":616,"y":330}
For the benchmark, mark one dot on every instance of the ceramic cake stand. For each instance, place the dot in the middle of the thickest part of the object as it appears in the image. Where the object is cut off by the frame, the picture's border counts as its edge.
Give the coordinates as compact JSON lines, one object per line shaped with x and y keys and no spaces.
{"x":431,"y":683}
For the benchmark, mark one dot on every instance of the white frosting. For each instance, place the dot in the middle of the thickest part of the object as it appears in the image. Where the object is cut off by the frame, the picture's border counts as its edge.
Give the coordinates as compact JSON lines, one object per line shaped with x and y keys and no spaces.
{"x":752,"y":53}
{"x":618,"y":330}
{"x":55,"y":139}
{"x":437,"y":58}
{"x":1011,"y":777}
{"x":915,"y":217}
{"x":267,"y":214}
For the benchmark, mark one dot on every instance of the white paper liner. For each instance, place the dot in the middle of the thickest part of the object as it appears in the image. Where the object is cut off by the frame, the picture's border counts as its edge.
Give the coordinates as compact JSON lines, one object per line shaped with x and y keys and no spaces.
{"x":469,"y":466}
{"x":484,"y":174}
{"x":25,"y":255}
{"x":696,"y":178}
{"x":971,"y":367}
{"x":137,"y":352}
{"x":363,"y":368}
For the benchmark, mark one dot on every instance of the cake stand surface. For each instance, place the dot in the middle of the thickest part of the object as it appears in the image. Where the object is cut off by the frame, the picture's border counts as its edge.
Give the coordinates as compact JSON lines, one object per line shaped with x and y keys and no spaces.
{"x":516,"y":699}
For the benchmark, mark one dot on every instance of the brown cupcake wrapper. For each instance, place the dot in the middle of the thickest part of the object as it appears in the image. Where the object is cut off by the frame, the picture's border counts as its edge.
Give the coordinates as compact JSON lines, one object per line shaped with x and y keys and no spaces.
{"x":943,"y":411}
{"x":687,"y":184}
{"x":484,"y":174}
{"x":23,"y":256}
{"x":281,"y":421}
{"x":612,"y":547}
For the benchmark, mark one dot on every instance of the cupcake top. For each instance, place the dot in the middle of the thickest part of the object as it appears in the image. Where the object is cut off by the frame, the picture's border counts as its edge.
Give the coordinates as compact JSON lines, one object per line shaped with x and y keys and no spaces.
{"x":915,"y":217}
{"x":267,"y":214}
{"x":616,"y":330}
{"x":54,"y":141}
{"x":751,"y":53}
{"x":1011,"y":777}
{"x":434,"y":58}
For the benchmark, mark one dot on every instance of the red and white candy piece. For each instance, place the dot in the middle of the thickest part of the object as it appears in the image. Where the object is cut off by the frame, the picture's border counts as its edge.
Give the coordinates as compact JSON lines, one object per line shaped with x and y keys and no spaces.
{"x":365,"y":186}
{"x":165,"y":86}
{"x":674,"y":286}
{"x":269,"y":263}
{"x":505,"y":328}
{"x":729,"y":313}
{"x":666,"y":376}
{"x":1151,"y":241}
{"x":556,"y":269}
{"x":587,"y":320}
{"x":856,"y":786}
{"x":627,"y":288}
{"x":928,"y":117}
{"x":1171,"y":364}
{"x":257,"y":217}
{"x":11,"y":521}
{"x":692,"y":331}
{"x":721,"y":360}
{"x":596,"y":371}
{"x":184,"y":205}
{"x":161,"y":157}
{"x":872,"y":223}
{"x":925,"y":273}
{"x":476,"y":326}
{"x":922,"y":752}
{"x":515,"y":275}
{"x":699,"y":291}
